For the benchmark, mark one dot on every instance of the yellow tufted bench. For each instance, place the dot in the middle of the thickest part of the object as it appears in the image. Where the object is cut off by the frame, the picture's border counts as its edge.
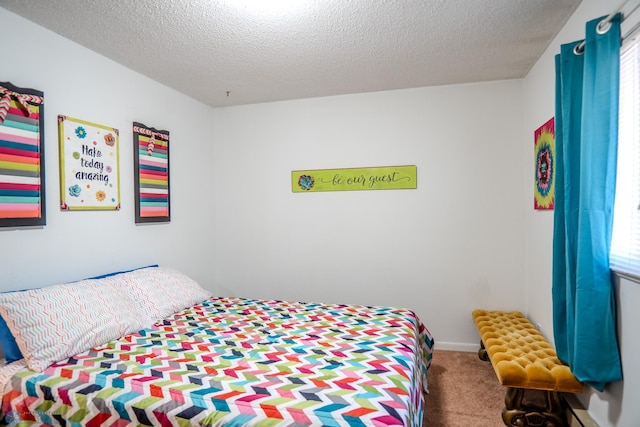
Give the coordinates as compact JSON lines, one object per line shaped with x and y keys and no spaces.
{"x":524,"y":360}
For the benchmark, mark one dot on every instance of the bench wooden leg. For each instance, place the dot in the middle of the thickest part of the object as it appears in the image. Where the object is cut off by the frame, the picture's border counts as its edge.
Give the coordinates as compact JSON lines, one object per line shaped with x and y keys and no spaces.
{"x":482,"y":353}
{"x":517,"y":414}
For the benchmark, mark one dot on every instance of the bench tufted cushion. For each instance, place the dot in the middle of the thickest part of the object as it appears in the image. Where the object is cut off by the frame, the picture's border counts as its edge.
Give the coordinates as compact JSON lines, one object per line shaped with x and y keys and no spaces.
{"x":520,"y":355}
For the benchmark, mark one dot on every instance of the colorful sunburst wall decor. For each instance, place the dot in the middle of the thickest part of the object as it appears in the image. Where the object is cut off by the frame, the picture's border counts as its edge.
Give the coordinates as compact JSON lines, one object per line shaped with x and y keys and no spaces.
{"x":545,"y":157}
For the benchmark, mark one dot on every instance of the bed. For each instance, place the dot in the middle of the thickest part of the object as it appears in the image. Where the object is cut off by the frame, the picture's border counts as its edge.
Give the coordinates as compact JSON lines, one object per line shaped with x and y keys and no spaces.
{"x":223,"y":361}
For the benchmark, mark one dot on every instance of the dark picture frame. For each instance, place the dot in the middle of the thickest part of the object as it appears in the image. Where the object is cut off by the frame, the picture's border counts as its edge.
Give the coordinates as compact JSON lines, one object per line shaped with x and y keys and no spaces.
{"x":151,"y":174}
{"x":22,"y":160}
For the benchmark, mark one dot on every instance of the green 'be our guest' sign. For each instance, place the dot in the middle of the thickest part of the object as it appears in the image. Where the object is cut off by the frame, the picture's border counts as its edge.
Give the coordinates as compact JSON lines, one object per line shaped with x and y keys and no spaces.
{"x":377,"y":178}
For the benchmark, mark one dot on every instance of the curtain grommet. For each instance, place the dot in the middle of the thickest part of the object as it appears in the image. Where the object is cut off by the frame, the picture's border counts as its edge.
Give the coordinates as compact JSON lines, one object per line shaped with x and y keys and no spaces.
{"x":603,"y":26}
{"x":579,"y":49}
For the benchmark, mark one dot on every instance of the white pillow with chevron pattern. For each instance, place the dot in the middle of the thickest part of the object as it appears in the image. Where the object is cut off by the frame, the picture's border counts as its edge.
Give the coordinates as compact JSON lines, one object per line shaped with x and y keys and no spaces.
{"x":53,"y":323}
{"x":56,"y":322}
{"x":160,"y":292}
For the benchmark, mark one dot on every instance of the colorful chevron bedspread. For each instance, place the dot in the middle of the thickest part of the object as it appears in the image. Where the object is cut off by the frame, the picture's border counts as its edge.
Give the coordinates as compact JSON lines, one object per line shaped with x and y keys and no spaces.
{"x":234,"y":362}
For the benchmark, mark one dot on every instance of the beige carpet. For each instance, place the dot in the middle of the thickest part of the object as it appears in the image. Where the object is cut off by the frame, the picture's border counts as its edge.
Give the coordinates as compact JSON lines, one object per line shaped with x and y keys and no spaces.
{"x":463,"y":392}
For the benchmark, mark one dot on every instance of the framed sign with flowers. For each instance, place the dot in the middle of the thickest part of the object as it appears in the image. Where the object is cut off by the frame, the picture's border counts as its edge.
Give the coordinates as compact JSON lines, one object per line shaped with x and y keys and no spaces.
{"x":89,"y":165}
{"x":151,"y":174}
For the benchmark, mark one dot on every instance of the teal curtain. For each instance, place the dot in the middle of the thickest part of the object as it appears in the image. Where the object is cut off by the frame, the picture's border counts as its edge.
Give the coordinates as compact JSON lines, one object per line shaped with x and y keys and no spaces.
{"x":586,"y":123}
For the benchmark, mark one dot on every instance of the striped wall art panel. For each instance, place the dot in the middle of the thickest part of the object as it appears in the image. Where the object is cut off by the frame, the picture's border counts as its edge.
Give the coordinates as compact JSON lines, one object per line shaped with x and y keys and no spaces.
{"x":22,"y":190}
{"x":151,"y":174}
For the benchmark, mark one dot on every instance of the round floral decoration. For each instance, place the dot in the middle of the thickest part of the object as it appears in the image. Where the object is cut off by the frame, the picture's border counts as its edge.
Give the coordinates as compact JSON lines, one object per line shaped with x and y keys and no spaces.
{"x":81,"y":132}
{"x":75,"y":190}
{"x":110,"y":140}
{"x":306,"y":182}
{"x":100,"y":195}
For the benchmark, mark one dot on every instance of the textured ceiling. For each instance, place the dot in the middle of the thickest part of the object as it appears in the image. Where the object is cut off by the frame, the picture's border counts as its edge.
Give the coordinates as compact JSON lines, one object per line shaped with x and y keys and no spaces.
{"x":222,"y":52}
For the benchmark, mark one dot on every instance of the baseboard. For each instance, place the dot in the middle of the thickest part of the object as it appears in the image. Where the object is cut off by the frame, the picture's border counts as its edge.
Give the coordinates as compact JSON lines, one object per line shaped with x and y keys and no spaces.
{"x":576,"y":414}
{"x":455,"y":346}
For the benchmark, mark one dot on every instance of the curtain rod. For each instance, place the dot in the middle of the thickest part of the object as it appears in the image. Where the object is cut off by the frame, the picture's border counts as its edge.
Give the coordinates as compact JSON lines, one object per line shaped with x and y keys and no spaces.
{"x":602,"y":25}
{"x":635,"y":27}
{"x":608,"y":19}
{"x":631,"y":31}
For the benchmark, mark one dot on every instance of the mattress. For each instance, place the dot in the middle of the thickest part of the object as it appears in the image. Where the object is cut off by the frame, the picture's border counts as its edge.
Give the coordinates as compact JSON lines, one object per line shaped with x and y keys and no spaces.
{"x":234,"y":362}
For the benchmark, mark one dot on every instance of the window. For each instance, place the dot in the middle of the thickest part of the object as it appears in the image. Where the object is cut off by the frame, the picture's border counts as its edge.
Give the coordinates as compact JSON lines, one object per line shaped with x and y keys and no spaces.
{"x":625,"y":245}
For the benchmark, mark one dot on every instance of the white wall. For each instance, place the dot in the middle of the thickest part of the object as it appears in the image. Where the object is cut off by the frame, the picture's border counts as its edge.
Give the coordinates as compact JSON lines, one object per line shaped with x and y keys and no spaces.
{"x":468,"y":237}
{"x":453,"y":245}
{"x":450,"y":246}
{"x":73,"y":245}
{"x":617,"y":405}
